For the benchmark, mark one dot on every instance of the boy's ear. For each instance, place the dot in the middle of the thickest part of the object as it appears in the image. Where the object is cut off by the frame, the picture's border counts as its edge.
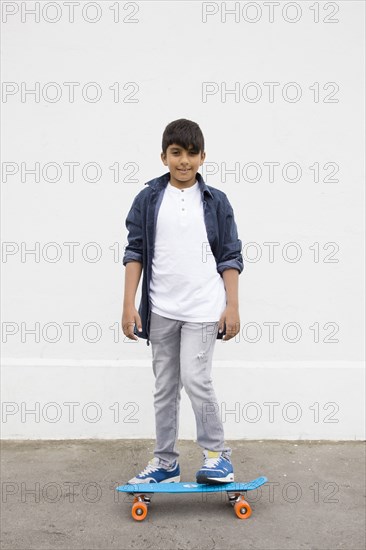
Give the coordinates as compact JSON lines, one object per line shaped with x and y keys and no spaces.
{"x":203,"y":156}
{"x":163,"y":158}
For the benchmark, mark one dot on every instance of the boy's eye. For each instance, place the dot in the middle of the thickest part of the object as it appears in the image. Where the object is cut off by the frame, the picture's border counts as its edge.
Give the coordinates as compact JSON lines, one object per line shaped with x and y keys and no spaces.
{"x":192,"y":153}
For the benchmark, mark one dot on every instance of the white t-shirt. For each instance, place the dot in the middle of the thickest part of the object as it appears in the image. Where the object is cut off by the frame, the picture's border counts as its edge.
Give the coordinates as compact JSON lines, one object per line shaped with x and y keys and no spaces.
{"x":185,"y":284}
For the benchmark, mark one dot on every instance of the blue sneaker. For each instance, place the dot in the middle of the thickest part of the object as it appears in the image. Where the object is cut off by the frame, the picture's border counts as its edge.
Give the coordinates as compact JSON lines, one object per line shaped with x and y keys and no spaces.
{"x":217,"y":468}
{"x":155,"y":473}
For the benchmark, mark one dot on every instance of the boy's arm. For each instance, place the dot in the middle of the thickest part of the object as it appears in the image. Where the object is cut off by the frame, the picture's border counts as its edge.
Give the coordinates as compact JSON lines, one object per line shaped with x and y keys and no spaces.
{"x":230,"y":266}
{"x":231,"y":256}
{"x":132,"y":278}
{"x":132,"y":260}
{"x":230,"y":316}
{"x":133,"y":250}
{"x":130,"y":315}
{"x":231,"y":280}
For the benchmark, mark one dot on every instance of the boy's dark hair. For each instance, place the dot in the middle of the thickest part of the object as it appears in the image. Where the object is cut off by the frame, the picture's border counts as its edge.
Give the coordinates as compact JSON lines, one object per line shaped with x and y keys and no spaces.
{"x":185,"y":133}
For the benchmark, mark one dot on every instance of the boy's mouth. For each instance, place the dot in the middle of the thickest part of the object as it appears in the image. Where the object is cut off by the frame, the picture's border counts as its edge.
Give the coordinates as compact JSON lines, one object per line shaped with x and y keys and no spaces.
{"x":184,"y":171}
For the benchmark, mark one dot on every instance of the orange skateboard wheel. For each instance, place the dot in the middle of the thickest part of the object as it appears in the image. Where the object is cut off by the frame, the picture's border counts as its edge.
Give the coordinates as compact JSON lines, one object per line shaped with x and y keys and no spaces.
{"x":139,"y":511}
{"x":242,"y":508}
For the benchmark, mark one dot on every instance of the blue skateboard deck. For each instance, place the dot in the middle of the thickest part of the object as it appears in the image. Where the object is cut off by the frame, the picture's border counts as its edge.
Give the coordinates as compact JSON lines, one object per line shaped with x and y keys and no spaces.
{"x":142,"y":493}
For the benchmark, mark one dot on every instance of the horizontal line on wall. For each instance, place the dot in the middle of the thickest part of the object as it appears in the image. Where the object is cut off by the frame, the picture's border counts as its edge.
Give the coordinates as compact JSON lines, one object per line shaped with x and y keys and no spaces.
{"x":147,"y":364}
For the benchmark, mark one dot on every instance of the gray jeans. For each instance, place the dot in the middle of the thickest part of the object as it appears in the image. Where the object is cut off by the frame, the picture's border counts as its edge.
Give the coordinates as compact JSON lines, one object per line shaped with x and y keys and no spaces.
{"x":182,"y":357}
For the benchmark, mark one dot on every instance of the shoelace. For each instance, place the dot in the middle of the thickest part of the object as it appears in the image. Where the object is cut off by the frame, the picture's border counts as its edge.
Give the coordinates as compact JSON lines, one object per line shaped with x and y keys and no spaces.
{"x":151,"y":467}
{"x":211,"y":462}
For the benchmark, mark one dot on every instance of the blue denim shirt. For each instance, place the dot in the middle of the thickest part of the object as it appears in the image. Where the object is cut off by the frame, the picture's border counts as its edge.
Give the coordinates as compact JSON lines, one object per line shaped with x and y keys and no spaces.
{"x":141,"y":224}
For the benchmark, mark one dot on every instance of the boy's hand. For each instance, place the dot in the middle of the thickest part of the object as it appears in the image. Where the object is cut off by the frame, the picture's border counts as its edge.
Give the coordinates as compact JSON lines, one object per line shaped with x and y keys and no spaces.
{"x":130,"y":317}
{"x":230,"y":316}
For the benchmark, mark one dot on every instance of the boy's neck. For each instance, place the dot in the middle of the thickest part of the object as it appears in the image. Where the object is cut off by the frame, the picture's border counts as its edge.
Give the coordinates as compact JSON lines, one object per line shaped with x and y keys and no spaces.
{"x":179,"y":185}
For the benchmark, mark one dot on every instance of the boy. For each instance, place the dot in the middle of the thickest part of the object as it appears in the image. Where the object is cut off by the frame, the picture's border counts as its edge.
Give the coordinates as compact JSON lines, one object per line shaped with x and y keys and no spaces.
{"x":183,"y":235}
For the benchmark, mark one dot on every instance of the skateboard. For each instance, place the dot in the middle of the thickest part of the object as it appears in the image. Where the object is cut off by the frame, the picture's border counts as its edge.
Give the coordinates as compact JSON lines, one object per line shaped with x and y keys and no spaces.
{"x":142,"y":493}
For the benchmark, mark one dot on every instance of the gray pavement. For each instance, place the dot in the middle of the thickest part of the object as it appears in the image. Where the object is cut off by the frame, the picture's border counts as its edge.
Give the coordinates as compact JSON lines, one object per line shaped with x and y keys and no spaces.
{"x":61,"y":494}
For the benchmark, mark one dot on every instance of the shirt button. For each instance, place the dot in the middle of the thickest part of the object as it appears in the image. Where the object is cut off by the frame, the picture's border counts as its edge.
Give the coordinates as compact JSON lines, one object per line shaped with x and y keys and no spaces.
{"x":183,"y":209}
{"x":182,"y":199}
{"x":182,"y":190}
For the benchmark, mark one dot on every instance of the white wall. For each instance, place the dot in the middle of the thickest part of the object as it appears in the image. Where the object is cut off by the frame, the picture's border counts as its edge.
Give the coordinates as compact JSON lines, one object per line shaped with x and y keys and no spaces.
{"x":312,"y":363}
{"x":50,"y":399}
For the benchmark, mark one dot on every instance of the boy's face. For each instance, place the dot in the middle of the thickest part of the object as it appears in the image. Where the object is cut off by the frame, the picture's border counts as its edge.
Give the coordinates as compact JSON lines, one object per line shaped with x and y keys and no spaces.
{"x":183,"y":165}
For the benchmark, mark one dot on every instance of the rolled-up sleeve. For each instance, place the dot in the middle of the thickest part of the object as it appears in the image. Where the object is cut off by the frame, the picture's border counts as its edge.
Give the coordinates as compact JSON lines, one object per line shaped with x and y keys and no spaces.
{"x":134,"y":248}
{"x":231,"y":256}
